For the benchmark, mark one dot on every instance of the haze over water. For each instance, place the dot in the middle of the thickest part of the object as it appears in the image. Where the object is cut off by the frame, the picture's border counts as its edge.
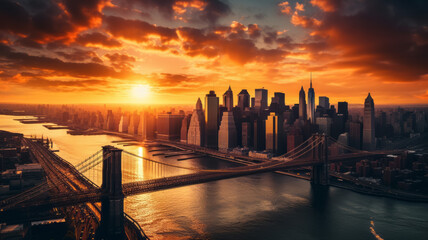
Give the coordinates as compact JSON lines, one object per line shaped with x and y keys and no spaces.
{"x":263,"y":206}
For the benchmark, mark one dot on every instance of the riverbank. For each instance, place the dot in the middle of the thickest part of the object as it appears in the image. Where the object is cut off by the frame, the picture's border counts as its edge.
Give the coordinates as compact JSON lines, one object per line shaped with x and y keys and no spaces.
{"x":245,"y":160}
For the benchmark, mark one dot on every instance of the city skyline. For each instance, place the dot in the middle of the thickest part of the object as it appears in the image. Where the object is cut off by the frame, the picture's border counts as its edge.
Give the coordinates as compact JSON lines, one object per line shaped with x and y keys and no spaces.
{"x":163,"y":52}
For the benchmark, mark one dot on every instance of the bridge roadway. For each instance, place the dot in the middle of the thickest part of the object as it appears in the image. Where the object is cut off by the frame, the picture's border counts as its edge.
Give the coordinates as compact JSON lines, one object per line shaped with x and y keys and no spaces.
{"x":94,"y":194}
{"x":67,"y":182}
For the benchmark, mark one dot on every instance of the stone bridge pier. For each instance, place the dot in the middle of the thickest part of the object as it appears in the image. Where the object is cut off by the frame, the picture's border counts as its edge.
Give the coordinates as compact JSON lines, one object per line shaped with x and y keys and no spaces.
{"x":320,"y":171}
{"x":112,"y":218}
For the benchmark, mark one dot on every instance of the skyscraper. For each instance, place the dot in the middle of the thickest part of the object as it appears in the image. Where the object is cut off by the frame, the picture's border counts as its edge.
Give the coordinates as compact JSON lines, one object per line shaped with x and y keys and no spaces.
{"x":211,"y":120}
{"x":227,"y":133}
{"x":261,"y":98}
{"x":324,"y":102}
{"x":243,"y":99}
{"x":274,"y":134}
{"x":228,"y":99}
{"x":311,"y":103}
{"x":196,"y":131}
{"x":342,"y":108}
{"x":302,"y":104}
{"x":369,"y":124}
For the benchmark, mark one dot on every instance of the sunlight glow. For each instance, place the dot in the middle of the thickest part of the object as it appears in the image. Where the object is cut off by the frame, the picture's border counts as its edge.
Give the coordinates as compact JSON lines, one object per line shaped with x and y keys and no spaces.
{"x":141,"y":91}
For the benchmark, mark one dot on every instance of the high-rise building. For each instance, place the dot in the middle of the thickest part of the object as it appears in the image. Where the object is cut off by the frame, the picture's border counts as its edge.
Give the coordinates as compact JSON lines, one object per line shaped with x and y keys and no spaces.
{"x":369,"y":141}
{"x":311,"y":103}
{"x":246,"y":134}
{"x":274,"y":134}
{"x":342,"y":108}
{"x":243,"y":99}
{"x":324,"y":124}
{"x":169,"y":126}
{"x":261,"y":99}
{"x":196,"y":132}
{"x":133,"y":123}
{"x":227,"y":133}
{"x":228,"y":99}
{"x":147,"y":126}
{"x":324,"y":102}
{"x":355,"y":133}
{"x":278,"y":103}
{"x":302,"y":104}
{"x":184,"y":128}
{"x":259,"y":132}
{"x":211,"y":120}
{"x":110,"y":121}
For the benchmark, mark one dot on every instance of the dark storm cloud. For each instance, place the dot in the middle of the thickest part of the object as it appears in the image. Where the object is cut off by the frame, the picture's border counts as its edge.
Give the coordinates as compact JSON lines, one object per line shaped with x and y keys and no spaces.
{"x":20,"y":60}
{"x":211,"y":11}
{"x":386,"y":38}
{"x":49,"y":20}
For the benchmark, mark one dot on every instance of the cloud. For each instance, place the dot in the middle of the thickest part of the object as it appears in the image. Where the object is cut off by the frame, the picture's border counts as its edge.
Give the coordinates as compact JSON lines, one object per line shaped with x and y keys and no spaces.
{"x":45,"y":21}
{"x":98,"y":39}
{"x":20,"y":61}
{"x":121,"y":61}
{"x":388,"y":40}
{"x":285,"y":7}
{"x":304,"y":21}
{"x":136,"y":30}
{"x":209,"y":11}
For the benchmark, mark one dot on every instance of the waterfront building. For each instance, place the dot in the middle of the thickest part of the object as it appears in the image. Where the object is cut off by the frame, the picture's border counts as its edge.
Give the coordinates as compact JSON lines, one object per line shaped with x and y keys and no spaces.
{"x":211,"y":119}
{"x":369,"y":124}
{"x":169,"y":126}
{"x":227,"y":133}
{"x":184,"y":128}
{"x":246,"y":134}
{"x":274,"y":134}
{"x":196,"y":131}
{"x":243,"y":100}
{"x":324,"y":102}
{"x":228,"y":99}
{"x":134,"y":123}
{"x":124,"y":123}
{"x":311,"y":103}
{"x":259,"y":132}
{"x":260,"y":102}
{"x":302,"y":104}
{"x":110,"y":121}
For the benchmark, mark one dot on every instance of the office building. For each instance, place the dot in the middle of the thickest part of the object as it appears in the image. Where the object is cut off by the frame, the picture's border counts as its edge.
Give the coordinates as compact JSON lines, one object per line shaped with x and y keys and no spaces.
{"x":228,"y":99}
{"x":369,"y":124}
{"x":302,"y":104}
{"x":243,"y":100}
{"x":311,"y":103}
{"x":211,"y":119}
{"x":196,"y":131}
{"x":227,"y":132}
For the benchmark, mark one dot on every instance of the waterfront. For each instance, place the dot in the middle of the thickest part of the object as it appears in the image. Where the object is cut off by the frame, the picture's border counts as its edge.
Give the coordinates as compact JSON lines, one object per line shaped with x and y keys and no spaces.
{"x":265,"y":206}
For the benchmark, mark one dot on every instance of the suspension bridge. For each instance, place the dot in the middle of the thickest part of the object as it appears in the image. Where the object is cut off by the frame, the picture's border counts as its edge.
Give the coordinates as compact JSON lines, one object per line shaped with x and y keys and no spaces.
{"x":67,"y":187}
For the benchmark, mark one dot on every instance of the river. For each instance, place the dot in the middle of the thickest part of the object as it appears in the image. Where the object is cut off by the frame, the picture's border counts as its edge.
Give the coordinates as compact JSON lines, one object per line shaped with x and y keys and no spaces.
{"x":262,"y":206}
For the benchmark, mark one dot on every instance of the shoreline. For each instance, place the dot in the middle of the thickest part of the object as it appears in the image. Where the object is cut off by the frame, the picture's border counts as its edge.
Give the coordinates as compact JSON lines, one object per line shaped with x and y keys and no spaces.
{"x":245,"y":160}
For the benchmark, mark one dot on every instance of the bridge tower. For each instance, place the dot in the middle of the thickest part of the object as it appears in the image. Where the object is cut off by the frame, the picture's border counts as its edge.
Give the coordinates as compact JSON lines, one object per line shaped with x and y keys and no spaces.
{"x":112,"y":218}
{"x":320,"y":172}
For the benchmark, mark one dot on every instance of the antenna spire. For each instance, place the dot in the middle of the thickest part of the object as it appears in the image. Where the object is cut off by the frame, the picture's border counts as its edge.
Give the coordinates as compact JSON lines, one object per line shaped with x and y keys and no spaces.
{"x":311,"y":79}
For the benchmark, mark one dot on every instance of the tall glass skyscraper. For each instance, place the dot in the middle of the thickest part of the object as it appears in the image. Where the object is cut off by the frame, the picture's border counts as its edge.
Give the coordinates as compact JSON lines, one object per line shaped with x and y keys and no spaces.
{"x":311,"y":103}
{"x":211,"y":119}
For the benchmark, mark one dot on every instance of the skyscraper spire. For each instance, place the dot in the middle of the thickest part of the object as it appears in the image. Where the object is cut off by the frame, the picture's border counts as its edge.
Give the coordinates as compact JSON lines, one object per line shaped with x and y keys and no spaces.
{"x":311,"y":80}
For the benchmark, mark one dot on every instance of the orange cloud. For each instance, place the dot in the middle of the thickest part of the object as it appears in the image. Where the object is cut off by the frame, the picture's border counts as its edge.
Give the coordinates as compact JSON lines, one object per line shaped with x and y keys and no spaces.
{"x":285,"y":7}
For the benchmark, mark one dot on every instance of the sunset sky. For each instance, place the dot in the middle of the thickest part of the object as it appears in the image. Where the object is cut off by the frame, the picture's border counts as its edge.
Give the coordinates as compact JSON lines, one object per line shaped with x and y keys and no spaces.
{"x":173,"y":51}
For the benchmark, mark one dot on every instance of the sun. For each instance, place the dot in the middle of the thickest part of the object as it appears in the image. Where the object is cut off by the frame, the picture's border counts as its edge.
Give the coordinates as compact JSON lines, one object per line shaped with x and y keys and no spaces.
{"x":141,"y":91}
